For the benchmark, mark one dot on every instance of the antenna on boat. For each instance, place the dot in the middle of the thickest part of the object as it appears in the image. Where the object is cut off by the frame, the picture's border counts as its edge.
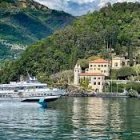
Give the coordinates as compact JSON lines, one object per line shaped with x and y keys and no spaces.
{"x":30,"y":78}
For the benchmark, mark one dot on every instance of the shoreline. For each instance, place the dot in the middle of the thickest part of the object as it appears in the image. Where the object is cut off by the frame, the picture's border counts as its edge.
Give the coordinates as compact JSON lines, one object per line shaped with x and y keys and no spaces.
{"x":72,"y":91}
{"x":100,"y":95}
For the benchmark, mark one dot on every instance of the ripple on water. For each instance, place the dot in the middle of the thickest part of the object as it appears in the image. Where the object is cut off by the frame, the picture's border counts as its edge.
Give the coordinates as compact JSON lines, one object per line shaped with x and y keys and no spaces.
{"x":71,"y":119}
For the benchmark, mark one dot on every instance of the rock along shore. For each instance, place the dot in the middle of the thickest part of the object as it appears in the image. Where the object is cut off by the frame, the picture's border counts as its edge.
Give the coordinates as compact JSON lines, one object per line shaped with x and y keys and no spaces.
{"x":77,"y":92}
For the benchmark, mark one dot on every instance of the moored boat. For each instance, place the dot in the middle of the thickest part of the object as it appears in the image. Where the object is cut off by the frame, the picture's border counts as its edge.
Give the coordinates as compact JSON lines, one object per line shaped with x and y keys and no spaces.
{"x":28,"y":91}
{"x":37,"y":99}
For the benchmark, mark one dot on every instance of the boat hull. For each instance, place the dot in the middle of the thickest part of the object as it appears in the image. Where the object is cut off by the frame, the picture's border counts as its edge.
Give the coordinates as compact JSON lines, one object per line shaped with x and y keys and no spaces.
{"x":36,"y":99}
{"x":31,"y":99}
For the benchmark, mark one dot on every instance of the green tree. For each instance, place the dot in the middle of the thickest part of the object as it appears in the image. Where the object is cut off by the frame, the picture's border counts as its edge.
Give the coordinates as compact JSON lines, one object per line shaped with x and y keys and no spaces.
{"x":84,"y":83}
{"x":125,"y":73}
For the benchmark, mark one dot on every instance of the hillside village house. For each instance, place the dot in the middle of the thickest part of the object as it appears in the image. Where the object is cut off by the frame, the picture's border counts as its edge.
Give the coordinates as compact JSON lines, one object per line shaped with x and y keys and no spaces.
{"x":95,"y":73}
{"x":119,"y":62}
{"x":98,"y":70}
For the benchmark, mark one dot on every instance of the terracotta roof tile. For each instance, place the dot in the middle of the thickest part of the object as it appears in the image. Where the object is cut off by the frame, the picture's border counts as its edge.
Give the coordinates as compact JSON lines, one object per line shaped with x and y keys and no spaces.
{"x":99,"y":61}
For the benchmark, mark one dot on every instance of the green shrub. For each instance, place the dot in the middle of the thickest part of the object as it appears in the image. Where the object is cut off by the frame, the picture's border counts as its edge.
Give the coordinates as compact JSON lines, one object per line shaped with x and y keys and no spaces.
{"x":83,"y":63}
{"x":114,"y":87}
{"x":132,"y":93}
{"x":113,"y":74}
{"x":134,"y":86}
{"x":125,"y":73}
{"x":84,"y":83}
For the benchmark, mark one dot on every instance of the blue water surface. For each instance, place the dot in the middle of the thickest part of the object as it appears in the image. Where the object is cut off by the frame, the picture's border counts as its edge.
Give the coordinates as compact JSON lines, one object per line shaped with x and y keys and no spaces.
{"x":71,"y":119}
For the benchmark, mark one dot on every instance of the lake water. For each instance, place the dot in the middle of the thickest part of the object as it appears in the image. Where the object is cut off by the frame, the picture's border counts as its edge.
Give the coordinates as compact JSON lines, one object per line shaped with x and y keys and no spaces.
{"x":72,"y":119}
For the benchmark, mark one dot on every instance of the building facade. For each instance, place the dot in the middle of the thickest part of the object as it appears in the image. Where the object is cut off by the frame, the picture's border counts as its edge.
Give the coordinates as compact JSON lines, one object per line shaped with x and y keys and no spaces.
{"x":77,"y":71}
{"x":96,"y":80}
{"x":119,"y":62}
{"x":99,"y":66}
{"x":98,"y":70}
{"x":95,"y":74}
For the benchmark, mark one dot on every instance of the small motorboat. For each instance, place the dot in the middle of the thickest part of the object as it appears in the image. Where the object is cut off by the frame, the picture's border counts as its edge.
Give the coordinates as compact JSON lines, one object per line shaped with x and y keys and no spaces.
{"x":39,"y":98}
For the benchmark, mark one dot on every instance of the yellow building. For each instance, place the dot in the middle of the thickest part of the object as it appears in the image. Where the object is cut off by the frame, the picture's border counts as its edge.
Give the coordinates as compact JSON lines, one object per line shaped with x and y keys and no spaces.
{"x":95,"y":73}
{"x":99,"y":66}
{"x":98,"y":70}
{"x":119,"y":62}
{"x":96,"y":80}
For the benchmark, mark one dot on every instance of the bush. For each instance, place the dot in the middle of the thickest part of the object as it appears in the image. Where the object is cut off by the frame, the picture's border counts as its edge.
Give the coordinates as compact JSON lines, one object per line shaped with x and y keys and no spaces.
{"x":134,"y":86}
{"x":114,"y":87}
{"x":125,"y":73}
{"x":113,"y":74}
{"x":132,"y":93}
{"x":63,"y":77}
{"x":84,"y":83}
{"x":83,"y":63}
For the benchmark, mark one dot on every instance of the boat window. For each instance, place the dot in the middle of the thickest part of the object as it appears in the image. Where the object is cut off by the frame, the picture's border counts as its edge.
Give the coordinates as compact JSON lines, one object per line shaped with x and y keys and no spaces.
{"x":15,"y":90}
{"x":21,"y":88}
{"x":39,"y":87}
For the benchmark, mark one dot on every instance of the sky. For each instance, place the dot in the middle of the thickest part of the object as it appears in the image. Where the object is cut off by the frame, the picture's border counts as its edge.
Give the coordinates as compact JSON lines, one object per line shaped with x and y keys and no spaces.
{"x":78,"y":7}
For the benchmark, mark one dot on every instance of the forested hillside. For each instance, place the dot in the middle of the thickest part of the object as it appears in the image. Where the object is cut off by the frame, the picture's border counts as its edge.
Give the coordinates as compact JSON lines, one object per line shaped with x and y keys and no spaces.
{"x":115,"y":27}
{"x":25,"y":22}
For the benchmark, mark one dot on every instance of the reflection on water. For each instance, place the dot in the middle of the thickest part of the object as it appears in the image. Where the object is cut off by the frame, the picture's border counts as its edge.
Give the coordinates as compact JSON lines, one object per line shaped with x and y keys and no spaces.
{"x":98,"y":118}
{"x":71,"y":119}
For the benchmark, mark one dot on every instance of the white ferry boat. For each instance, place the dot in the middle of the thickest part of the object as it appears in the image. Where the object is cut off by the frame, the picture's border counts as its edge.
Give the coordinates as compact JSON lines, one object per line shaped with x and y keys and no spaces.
{"x":28,"y":91}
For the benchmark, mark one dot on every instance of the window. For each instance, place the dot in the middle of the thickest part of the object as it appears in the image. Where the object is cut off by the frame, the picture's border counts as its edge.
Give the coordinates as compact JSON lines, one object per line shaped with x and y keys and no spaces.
{"x":104,"y":71}
{"x":98,"y":83}
{"x":89,"y":80}
{"x":90,"y":65}
{"x":104,"y":65}
{"x":94,"y":65}
{"x":98,"y":65}
{"x":101,"y":65}
{"x":94,"y":68}
{"x":95,"y":78}
{"x":123,"y":64}
{"x":94,"y":83}
{"x":116,"y":64}
{"x":99,"y":78}
{"x":98,"y":68}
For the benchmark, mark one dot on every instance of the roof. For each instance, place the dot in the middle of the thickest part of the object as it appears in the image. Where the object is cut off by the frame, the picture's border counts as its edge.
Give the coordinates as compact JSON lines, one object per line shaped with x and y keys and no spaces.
{"x":118,"y":58}
{"x":91,"y":74}
{"x":99,"y":61}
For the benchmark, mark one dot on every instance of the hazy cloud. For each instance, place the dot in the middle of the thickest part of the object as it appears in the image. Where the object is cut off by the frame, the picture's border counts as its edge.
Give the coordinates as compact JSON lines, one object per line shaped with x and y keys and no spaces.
{"x":78,"y":7}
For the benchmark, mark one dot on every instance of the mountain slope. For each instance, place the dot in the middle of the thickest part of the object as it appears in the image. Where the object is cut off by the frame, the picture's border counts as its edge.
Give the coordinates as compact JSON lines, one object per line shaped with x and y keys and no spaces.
{"x":24,"y":22}
{"x":114,"y":27}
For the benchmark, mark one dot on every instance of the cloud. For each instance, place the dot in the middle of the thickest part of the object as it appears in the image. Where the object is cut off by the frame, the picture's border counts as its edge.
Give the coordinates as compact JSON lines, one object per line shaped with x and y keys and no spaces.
{"x":53,"y":4}
{"x":78,"y":7}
